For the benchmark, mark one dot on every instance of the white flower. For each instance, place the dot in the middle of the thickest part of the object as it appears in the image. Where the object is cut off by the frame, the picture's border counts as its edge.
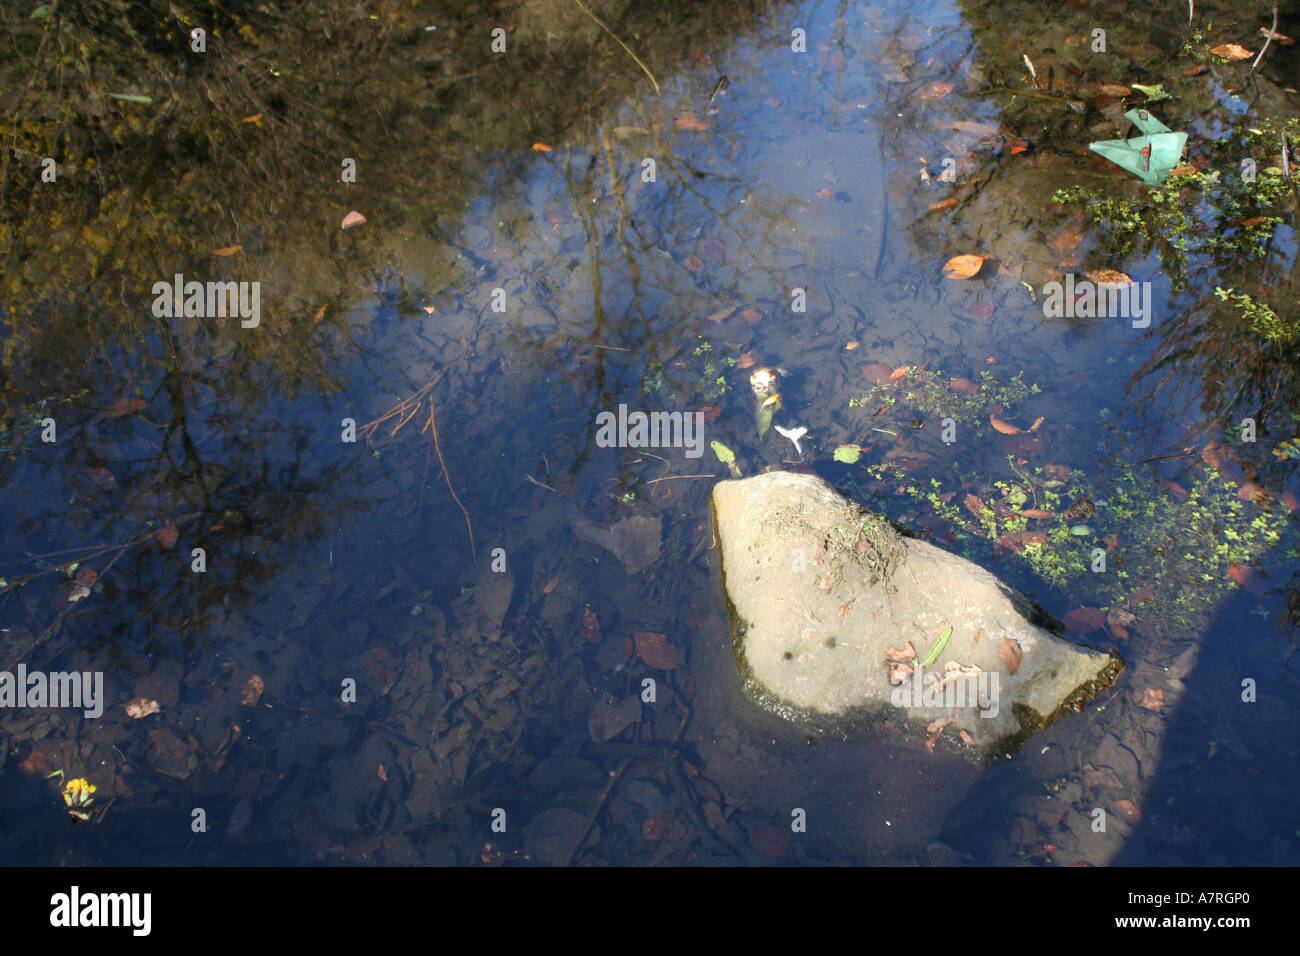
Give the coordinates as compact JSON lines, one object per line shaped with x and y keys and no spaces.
{"x":794,"y":434}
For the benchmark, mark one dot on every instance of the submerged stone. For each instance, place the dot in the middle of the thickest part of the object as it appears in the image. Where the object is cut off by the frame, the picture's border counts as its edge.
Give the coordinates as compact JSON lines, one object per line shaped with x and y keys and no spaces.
{"x":837,"y":614}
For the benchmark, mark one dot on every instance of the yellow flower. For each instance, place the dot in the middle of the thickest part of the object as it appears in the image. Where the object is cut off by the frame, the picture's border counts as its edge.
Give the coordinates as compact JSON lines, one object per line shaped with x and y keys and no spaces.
{"x":79,"y":785}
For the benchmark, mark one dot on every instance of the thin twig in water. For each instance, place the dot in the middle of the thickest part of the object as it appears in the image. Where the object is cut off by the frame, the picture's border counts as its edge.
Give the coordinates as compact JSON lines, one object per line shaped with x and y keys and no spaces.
{"x":437,"y":446}
{"x":674,"y":477}
{"x":538,"y":483}
{"x":1267,"y":40}
{"x":583,"y":7}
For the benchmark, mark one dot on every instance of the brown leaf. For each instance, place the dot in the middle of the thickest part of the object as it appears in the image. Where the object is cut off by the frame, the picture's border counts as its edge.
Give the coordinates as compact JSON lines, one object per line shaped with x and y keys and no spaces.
{"x":542,"y":148}
{"x":251,"y":119}
{"x":353,"y":218}
{"x":123,"y":406}
{"x":1252,"y":492}
{"x":904,"y":655}
{"x":1114,"y":89}
{"x":937,"y":91}
{"x":657,"y":826}
{"x":965,"y":386}
{"x":655,"y":650}
{"x":1291,"y":501}
{"x":1142,"y":595}
{"x":1037,"y":513}
{"x":1265,"y":32}
{"x":967,"y":739}
{"x":1153,"y":699}
{"x":943,"y":204}
{"x":1085,"y":620}
{"x":1068,"y":240}
{"x":935,"y":730}
{"x":751,"y":316}
{"x":1004,"y":427}
{"x":1010,"y":653}
{"x":167,"y":536}
{"x":983,"y":310}
{"x":879,"y":374}
{"x":850,"y":346}
{"x":1118,"y":620}
{"x":141,"y":707}
{"x":36,"y":766}
{"x":963,"y":267}
{"x":590,"y":629}
{"x":746,"y":360}
{"x":1109,"y":277}
{"x":1232,"y":51}
{"x":693,"y":263}
{"x":550,"y":585}
{"x":975,"y":506}
{"x":1243,"y":575}
{"x":1081,"y":508}
{"x":226,"y":250}
{"x":251,"y":692}
{"x":900,"y":373}
{"x":1129,"y":809}
{"x":690,"y":121}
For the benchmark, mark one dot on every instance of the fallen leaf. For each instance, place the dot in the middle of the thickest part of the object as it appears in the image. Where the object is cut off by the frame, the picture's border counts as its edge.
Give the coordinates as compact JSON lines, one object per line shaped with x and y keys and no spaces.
{"x":251,"y":119}
{"x":1109,"y":277}
{"x":711,"y":413}
{"x":693,"y":263}
{"x":943,"y":204}
{"x":1252,"y":221}
{"x":251,"y":692}
{"x":983,"y":310}
{"x":965,"y":386}
{"x":123,"y":406}
{"x":353,"y":218}
{"x":904,"y":655}
{"x":879,"y":374}
{"x":963,"y":267}
{"x":1244,"y":576}
{"x":1142,"y":595}
{"x":655,"y":650}
{"x":751,"y":316}
{"x":1252,"y":492}
{"x":824,"y":193}
{"x":967,"y":739}
{"x":899,"y":373}
{"x":1010,"y":653}
{"x":1118,"y":620}
{"x":543,"y":148}
{"x":167,"y":536}
{"x":550,"y":585}
{"x":746,"y":360}
{"x":935,"y":730}
{"x":1085,"y":620}
{"x":1129,"y":809}
{"x":87,"y":578}
{"x":1037,"y":513}
{"x":140,"y":707}
{"x":690,"y":121}
{"x":1003,"y":427}
{"x":721,"y":315}
{"x":1266,"y":33}
{"x":937,"y":91}
{"x":850,"y":346}
{"x":975,"y":506}
{"x":1232,"y":51}
{"x":657,"y":826}
{"x":226,"y":250}
{"x":590,"y":629}
{"x":1067,"y":240}
{"x":1291,"y":501}
{"x":1153,"y":699}
{"x":1114,"y":89}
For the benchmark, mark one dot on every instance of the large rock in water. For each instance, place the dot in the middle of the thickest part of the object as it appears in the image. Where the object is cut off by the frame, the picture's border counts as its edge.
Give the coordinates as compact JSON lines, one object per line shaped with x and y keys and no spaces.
{"x":826,"y":597}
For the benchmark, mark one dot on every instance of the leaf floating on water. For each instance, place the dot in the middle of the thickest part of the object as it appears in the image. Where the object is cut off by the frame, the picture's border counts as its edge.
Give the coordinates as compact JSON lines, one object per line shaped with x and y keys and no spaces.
{"x":353,"y":218}
{"x":226,"y":250}
{"x":1003,"y":427}
{"x":746,"y":360}
{"x":690,"y":121}
{"x":937,"y":91}
{"x":1232,"y":51}
{"x":1244,"y":576}
{"x":848,"y":454}
{"x":1085,"y":620}
{"x":550,"y":585}
{"x":963,"y":267}
{"x":879,"y":374}
{"x":1153,"y":699}
{"x":542,"y":148}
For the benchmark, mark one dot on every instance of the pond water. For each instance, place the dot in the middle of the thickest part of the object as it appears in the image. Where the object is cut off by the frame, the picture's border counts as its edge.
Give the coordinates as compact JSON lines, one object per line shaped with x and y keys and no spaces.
{"x":409,"y":634}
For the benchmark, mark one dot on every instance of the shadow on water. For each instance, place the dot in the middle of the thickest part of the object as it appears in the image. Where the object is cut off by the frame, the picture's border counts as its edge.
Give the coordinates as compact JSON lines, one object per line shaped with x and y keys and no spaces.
{"x":451,"y":621}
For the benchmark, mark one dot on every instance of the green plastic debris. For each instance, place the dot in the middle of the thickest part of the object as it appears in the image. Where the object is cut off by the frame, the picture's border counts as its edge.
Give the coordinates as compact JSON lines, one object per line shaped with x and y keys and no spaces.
{"x":1152,"y":156}
{"x":848,"y":454}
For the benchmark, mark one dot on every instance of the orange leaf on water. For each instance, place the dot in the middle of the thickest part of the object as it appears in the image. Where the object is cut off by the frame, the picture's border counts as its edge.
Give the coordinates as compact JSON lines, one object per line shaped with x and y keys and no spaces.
{"x":1129,"y":809}
{"x":943,"y":204}
{"x":899,"y":373}
{"x":1109,"y":277}
{"x":693,"y":263}
{"x":751,"y":316}
{"x":963,"y":267}
{"x":1001,"y":426}
{"x":965,"y":386}
{"x":226,"y":250}
{"x":1232,"y":51}
{"x":1153,"y":699}
{"x":1244,"y":576}
{"x":746,"y":360}
{"x":690,"y":121}
{"x":879,"y":374}
{"x":1037,"y":513}
{"x":167,"y":536}
{"x":550,"y":585}
{"x":251,"y":119}
{"x":937,"y":91}
{"x":542,"y":148}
